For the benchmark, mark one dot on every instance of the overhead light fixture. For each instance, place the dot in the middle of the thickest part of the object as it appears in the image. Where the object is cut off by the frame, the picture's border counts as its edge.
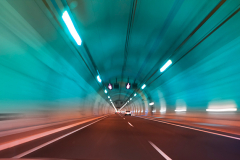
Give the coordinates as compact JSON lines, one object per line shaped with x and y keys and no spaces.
{"x":105,"y":91}
{"x":180,"y":110}
{"x":143,"y":86}
{"x":222,"y":110}
{"x":135,"y":94}
{"x":99,"y":79}
{"x":166,"y":65}
{"x":130,"y":99}
{"x":108,"y":96}
{"x":128,"y":85}
{"x":111,"y":100}
{"x":66,"y":18}
{"x":152,"y":103}
{"x":110,"y":86}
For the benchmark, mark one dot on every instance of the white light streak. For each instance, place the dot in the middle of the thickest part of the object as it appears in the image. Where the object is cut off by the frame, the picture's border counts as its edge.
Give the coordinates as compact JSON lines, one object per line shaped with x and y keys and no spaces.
{"x":180,"y":110}
{"x":166,"y":65}
{"x":152,"y":103}
{"x":222,"y":110}
{"x":99,"y":79}
{"x":143,"y":86}
{"x":66,"y":18}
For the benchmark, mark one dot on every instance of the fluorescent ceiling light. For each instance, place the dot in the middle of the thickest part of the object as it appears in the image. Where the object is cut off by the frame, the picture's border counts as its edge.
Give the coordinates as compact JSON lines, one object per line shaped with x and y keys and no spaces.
{"x":152,"y":103}
{"x":135,"y":94}
{"x":105,"y":91}
{"x":99,"y":79}
{"x":130,"y":99}
{"x":166,"y":65}
{"x":66,"y":18}
{"x":221,"y":110}
{"x":108,"y":96}
{"x":143,"y":86}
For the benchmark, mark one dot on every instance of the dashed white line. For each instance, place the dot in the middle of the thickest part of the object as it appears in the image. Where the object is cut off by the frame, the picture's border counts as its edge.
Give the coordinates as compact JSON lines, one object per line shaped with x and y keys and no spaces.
{"x":130,"y":124}
{"x":159,"y":151}
{"x":49,"y":142}
{"x":223,"y":135}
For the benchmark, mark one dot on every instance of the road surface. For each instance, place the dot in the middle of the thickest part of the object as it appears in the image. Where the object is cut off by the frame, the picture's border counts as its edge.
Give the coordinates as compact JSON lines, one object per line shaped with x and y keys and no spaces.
{"x":119,"y":137}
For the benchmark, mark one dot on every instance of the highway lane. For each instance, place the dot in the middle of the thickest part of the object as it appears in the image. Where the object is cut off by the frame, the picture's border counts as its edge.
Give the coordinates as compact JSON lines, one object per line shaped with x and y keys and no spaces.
{"x":186,"y":144}
{"x":111,"y":138}
{"x":123,"y":137}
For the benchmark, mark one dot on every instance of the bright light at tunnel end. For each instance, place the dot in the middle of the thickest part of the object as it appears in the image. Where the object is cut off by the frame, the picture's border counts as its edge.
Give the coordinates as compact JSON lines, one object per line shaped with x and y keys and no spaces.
{"x":166,"y":65}
{"x":66,"y":18}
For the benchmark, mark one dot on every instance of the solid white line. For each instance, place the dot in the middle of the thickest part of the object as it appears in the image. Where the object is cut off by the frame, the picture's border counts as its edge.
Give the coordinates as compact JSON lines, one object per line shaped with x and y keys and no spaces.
{"x":40,"y":135}
{"x":159,"y":151}
{"x":54,"y":140}
{"x":130,"y":124}
{"x":223,"y":135}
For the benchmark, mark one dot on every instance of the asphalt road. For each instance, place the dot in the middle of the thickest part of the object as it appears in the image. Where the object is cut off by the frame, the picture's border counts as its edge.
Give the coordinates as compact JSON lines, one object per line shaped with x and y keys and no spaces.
{"x":132,"y":138}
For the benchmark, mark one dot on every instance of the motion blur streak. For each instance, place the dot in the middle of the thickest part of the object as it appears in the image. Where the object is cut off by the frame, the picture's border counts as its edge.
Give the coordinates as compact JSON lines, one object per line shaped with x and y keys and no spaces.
{"x":71,"y":27}
{"x":31,"y":138}
{"x":45,"y":144}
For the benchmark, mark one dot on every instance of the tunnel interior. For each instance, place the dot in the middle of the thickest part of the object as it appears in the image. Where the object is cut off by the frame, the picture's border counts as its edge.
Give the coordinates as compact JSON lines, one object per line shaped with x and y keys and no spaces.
{"x":43,"y":68}
{"x":49,"y":75}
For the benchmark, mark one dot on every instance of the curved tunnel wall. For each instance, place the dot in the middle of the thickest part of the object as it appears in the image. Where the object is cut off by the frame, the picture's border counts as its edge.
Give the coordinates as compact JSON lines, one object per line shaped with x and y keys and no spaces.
{"x":43,"y":73}
{"x":209,"y":74}
{"x":42,"y":81}
{"x":207,"y":78}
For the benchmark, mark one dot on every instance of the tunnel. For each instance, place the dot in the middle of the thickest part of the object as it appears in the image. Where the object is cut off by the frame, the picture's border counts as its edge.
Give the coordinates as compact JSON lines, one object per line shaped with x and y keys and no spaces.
{"x":120,"y":79}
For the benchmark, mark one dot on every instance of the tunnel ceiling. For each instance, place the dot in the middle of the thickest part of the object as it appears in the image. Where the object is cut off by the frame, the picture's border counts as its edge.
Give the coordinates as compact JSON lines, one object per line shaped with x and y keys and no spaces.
{"x":130,"y":38}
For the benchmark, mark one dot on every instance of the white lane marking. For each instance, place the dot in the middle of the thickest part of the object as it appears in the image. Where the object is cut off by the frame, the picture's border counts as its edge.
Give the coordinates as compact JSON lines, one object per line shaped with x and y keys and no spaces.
{"x":223,"y":135}
{"x":54,"y":140}
{"x":40,"y":135}
{"x":159,"y":151}
{"x":130,"y":124}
